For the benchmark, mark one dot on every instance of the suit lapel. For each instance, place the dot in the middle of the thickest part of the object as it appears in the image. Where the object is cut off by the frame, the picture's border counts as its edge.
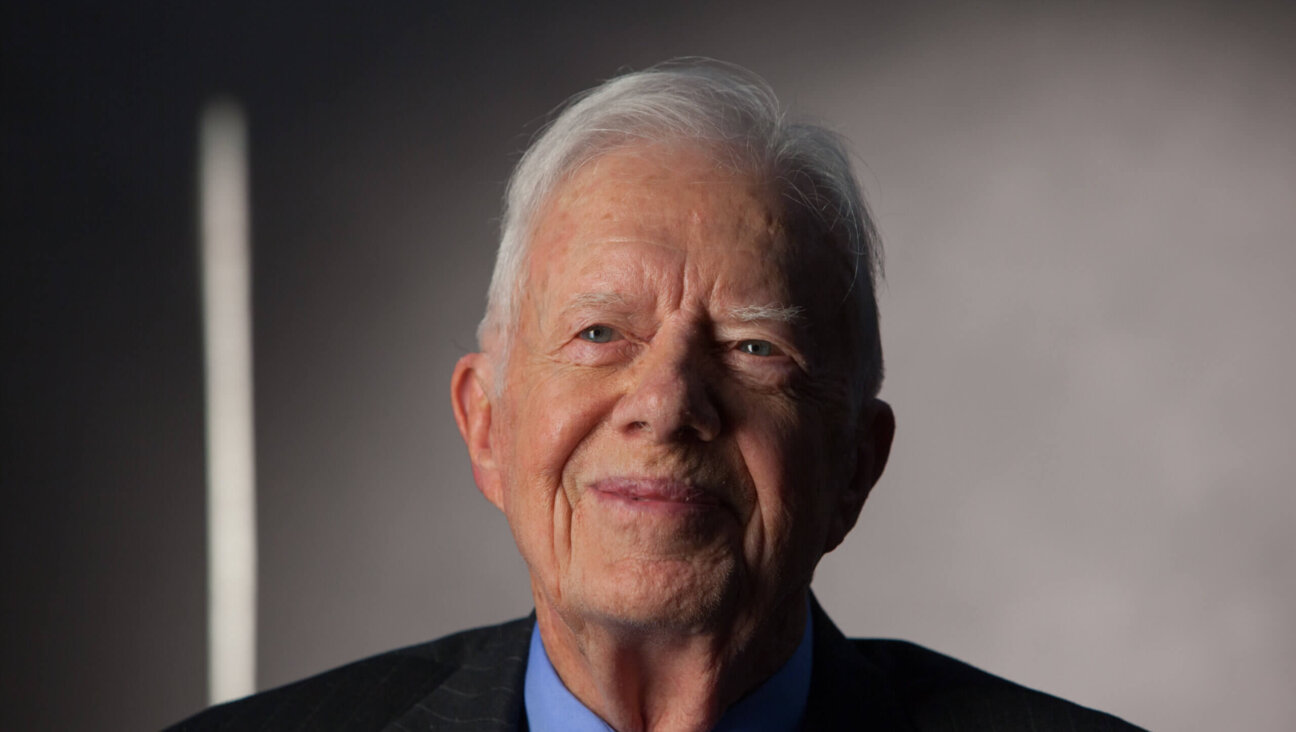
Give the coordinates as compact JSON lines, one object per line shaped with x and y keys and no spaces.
{"x":847,"y":691}
{"x":483,"y":693}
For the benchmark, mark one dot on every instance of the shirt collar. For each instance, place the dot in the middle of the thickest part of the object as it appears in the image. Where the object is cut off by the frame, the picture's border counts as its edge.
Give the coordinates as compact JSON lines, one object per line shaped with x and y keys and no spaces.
{"x":775,"y":706}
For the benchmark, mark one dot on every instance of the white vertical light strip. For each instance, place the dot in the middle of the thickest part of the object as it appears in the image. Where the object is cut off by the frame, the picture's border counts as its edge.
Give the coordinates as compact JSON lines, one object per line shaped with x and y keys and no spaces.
{"x":227,"y":323}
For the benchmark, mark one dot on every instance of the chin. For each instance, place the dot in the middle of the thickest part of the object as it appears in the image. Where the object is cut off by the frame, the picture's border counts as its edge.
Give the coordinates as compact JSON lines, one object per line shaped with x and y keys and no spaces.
{"x":659,"y":595}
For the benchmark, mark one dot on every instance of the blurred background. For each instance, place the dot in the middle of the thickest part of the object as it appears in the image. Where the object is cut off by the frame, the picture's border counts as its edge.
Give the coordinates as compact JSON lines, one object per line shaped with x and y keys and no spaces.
{"x":1088,"y":211}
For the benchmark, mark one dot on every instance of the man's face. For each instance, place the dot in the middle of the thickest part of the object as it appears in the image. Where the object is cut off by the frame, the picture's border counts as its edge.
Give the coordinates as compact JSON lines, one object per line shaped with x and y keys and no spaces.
{"x":674,"y":444}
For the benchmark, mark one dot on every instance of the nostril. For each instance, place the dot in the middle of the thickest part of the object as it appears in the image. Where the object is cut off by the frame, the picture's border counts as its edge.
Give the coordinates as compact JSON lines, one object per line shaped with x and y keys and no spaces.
{"x":703,"y":426}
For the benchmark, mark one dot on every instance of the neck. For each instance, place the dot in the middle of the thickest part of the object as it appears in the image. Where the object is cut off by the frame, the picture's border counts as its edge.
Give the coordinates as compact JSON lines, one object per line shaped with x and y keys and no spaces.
{"x":664,"y":680}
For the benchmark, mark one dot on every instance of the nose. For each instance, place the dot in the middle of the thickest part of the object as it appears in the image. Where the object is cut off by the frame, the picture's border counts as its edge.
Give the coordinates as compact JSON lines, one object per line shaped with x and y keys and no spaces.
{"x":669,"y":397}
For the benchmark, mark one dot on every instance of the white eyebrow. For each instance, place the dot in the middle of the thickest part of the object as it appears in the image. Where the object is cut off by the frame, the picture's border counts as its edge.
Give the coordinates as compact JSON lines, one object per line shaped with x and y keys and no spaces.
{"x":595,"y":299}
{"x":790,"y":314}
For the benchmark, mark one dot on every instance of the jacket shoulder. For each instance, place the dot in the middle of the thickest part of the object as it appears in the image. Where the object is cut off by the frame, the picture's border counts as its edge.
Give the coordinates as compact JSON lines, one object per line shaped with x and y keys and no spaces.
{"x":365,"y":694}
{"x":942,"y":693}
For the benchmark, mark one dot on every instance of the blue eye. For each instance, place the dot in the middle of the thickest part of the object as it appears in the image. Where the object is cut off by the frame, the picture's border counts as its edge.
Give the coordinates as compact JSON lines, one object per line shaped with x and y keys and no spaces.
{"x":598,"y":334}
{"x":756,"y":348}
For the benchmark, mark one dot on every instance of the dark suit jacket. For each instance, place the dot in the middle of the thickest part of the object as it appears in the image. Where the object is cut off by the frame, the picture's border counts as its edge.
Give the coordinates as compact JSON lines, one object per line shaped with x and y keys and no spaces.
{"x":473,"y":681}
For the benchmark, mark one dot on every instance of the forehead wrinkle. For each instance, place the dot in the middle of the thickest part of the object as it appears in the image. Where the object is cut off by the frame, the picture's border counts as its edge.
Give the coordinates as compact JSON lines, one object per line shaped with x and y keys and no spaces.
{"x":618,"y":282}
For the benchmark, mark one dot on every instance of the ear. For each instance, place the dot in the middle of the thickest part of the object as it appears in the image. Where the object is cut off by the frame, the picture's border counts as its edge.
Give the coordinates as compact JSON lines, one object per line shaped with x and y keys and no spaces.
{"x":872,"y":448}
{"x":470,"y":395}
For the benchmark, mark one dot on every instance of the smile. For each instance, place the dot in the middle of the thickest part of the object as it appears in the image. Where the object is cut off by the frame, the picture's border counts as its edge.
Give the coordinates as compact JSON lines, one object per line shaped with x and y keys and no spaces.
{"x":657,"y":494}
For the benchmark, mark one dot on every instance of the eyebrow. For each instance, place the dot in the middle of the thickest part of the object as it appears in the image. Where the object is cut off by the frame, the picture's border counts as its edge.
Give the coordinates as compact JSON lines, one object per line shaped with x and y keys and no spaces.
{"x":595,"y":299}
{"x":789,"y":314}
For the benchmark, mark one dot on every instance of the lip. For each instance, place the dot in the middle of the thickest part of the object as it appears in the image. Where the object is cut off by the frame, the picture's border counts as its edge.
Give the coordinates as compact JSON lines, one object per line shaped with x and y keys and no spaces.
{"x":656,"y":494}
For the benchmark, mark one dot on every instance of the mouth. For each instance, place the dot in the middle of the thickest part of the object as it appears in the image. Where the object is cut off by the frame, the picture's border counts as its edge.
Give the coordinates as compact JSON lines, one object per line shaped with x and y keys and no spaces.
{"x":656,"y":494}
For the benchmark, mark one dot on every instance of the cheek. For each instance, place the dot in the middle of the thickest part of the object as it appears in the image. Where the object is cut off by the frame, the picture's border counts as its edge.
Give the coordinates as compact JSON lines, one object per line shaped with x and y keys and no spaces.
{"x":546,"y":421}
{"x":769,"y":449}
{"x":787,"y":457}
{"x":552,"y":416}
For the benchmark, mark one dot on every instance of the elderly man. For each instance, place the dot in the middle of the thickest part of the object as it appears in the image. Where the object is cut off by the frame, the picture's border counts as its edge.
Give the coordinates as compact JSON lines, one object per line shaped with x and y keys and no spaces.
{"x":675,"y":408}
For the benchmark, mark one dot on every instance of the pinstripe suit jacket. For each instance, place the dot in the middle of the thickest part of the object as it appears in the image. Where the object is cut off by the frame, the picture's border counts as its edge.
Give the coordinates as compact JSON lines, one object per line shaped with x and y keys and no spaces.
{"x":472,"y":681}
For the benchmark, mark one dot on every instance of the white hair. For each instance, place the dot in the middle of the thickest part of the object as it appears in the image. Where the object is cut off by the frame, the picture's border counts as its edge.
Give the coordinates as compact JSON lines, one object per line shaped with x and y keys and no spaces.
{"x":729,"y":110}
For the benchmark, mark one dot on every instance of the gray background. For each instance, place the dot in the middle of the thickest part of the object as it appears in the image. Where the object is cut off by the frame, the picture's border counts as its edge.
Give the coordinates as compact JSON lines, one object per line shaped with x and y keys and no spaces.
{"x":1088,"y":213}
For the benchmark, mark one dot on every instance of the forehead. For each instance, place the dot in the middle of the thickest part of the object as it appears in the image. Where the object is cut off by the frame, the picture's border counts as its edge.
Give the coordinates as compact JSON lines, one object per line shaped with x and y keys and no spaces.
{"x":633,"y":213}
{"x":660,"y":186}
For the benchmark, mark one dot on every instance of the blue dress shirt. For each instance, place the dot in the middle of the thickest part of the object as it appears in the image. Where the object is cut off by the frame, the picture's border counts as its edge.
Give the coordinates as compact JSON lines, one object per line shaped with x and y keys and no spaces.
{"x":775,"y":706}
